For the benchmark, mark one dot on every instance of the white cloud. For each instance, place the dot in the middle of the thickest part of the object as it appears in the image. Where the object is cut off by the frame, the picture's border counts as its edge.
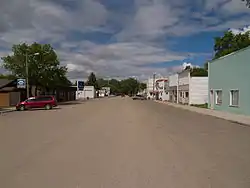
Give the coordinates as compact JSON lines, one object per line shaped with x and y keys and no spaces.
{"x":241,"y":30}
{"x":139,"y":38}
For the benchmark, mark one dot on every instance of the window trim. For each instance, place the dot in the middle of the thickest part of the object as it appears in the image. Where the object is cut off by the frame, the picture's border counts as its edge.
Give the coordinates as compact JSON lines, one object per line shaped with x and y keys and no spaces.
{"x":231,"y":99}
{"x":216,"y":96}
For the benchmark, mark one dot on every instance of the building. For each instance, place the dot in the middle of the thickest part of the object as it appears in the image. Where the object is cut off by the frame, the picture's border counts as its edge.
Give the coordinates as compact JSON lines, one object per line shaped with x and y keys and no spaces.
{"x":191,"y":89}
{"x":156,"y":88}
{"x":161,"y":88}
{"x":87,"y":93}
{"x":10,"y":94}
{"x":228,"y":88}
{"x":172,"y":88}
{"x":107,"y":90}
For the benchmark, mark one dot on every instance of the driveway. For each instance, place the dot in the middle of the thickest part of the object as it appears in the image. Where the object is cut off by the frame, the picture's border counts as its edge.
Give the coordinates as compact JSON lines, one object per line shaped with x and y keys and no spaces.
{"x":121,"y":143}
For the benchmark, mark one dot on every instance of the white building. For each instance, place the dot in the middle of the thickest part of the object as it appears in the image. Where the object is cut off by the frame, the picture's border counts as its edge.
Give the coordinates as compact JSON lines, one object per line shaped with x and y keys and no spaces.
{"x":172,"y":87}
{"x":87,"y":93}
{"x":156,"y":88}
{"x":192,"y":90}
{"x":107,"y":91}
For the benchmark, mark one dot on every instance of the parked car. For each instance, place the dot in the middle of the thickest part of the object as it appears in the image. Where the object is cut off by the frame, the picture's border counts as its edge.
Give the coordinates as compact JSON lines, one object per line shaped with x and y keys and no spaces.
{"x":46,"y":102}
{"x":139,"y":97}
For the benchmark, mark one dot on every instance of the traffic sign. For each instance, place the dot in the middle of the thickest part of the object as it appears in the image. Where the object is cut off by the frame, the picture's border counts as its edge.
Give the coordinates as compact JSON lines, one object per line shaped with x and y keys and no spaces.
{"x":21,"y":83}
{"x":80,"y":85}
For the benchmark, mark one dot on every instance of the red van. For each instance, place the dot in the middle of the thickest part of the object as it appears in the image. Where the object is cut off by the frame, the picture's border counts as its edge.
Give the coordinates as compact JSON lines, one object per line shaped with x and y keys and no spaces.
{"x":46,"y":102}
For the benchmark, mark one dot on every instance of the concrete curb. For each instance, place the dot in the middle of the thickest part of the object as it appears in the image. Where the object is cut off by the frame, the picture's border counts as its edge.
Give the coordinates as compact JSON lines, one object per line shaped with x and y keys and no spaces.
{"x":7,"y":111}
{"x":207,"y":112}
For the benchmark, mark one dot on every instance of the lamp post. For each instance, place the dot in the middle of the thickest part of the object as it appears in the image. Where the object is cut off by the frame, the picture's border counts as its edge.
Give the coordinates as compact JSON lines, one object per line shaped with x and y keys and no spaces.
{"x":27,"y":72}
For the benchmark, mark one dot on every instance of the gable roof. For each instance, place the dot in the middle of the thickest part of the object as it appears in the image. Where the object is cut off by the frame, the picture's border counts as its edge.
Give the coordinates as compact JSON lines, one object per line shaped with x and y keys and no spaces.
{"x":6,"y":83}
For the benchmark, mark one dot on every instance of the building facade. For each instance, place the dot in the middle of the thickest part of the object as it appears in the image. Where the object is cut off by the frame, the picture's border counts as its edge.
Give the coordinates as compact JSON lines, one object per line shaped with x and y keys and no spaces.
{"x":157,"y":88}
{"x":228,"y":88}
{"x":190,"y":89}
{"x":172,"y":88}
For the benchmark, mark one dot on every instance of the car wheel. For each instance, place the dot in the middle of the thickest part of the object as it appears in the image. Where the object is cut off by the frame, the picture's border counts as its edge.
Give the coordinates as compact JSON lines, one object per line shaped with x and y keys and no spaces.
{"x":48,"y":107}
{"x":22,"y":108}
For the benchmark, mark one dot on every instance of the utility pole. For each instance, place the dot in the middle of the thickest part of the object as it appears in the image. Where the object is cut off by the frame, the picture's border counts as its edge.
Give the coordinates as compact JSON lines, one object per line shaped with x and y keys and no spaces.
{"x":27,"y":75}
{"x":154,"y":86}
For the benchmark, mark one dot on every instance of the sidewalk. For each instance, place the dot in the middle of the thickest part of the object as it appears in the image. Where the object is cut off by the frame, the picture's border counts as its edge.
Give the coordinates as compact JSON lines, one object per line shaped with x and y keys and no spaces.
{"x":241,"y":119}
{"x":7,"y":110}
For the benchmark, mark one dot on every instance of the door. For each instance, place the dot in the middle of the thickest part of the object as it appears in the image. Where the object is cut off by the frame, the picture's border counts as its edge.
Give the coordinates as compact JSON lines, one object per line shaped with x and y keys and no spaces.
{"x":211,"y":99}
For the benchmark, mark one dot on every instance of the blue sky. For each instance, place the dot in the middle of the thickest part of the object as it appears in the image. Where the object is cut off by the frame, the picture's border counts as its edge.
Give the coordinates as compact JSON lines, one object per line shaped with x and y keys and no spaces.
{"x":122,"y":38}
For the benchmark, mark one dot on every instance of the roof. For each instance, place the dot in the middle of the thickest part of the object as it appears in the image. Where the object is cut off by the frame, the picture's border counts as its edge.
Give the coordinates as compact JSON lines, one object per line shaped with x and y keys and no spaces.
{"x":235,"y":52}
{"x":4,"y":82}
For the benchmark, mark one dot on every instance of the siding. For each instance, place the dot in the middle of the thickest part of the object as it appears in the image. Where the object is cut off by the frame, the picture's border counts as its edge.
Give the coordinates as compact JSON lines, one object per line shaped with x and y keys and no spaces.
{"x":173,"y":80}
{"x":232,"y":72}
{"x":184,"y":78}
{"x":198,"y":90}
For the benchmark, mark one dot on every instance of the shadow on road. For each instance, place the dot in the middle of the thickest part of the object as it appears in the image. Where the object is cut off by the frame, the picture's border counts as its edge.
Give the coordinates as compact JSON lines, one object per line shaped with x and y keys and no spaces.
{"x":70,"y":103}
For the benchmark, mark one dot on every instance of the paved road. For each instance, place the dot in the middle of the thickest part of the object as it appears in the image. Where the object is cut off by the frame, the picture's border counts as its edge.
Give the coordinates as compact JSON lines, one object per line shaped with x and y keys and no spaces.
{"x":120,"y":143}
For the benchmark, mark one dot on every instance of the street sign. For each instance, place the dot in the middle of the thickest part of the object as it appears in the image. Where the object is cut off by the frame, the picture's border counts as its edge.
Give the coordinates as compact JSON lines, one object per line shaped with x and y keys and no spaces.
{"x":80,"y":85}
{"x":21,"y":83}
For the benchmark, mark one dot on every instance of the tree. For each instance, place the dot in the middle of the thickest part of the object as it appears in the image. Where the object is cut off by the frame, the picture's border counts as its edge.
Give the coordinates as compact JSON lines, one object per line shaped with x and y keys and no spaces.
{"x":247,"y":3}
{"x":198,"y":72}
{"x":7,"y":76}
{"x":43,"y":65}
{"x":229,"y":43}
{"x":143,"y":86}
{"x":92,"y":81}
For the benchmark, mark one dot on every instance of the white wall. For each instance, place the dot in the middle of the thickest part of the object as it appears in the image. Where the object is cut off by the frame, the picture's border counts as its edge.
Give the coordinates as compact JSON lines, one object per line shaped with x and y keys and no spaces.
{"x":88,"y":91}
{"x":173,"y":80}
{"x":162,"y":90}
{"x":198,"y":90}
{"x":184,"y":78}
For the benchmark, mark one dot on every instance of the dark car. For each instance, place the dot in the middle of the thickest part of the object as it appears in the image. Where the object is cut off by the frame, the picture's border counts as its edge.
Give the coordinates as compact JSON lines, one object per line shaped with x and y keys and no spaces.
{"x":46,"y":102}
{"x":139,"y":97}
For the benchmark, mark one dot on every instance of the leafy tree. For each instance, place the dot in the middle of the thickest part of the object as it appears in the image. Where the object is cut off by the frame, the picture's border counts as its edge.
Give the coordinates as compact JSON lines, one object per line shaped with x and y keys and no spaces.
{"x":7,"y":76}
{"x":229,"y":43}
{"x":92,"y":81}
{"x":43,"y":65}
{"x":198,"y":72}
{"x":247,"y":3}
{"x":143,"y":86}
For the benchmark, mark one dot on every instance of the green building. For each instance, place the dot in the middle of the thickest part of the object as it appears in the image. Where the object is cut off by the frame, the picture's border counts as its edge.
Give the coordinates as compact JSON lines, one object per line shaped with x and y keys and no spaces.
{"x":229,"y":83}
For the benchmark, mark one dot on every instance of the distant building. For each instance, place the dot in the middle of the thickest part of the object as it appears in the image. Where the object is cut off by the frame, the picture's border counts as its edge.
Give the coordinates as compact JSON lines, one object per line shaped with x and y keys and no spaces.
{"x":87,"y":93}
{"x":228,"y":88}
{"x":191,"y":89}
{"x":156,"y":88}
{"x":172,"y":89}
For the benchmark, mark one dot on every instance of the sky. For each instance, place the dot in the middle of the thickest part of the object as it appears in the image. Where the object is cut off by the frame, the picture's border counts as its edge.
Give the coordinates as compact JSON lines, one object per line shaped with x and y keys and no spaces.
{"x":121,"y":38}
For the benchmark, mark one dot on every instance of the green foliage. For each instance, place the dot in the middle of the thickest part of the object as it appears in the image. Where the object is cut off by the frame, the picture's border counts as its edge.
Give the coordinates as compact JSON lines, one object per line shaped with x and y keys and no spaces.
{"x":229,"y":43}
{"x":43,"y":65}
{"x":247,"y":3}
{"x":92,"y":81}
{"x":7,"y":76}
{"x":198,"y":72}
{"x":143,"y":86}
{"x":128,"y":86}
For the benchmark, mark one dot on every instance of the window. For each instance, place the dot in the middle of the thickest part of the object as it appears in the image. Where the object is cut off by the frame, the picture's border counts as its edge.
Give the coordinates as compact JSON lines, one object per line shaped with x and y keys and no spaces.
{"x":234,"y":98}
{"x":187,"y":94}
{"x":180,"y":94}
{"x":218,"y":97}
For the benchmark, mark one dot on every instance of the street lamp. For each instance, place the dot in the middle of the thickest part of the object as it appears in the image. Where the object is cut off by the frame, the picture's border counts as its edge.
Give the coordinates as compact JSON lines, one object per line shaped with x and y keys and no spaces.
{"x":27,"y":72}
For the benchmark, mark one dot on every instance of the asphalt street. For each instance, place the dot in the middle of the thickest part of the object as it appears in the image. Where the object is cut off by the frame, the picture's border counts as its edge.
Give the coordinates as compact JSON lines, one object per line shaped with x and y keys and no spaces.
{"x":121,"y":143}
